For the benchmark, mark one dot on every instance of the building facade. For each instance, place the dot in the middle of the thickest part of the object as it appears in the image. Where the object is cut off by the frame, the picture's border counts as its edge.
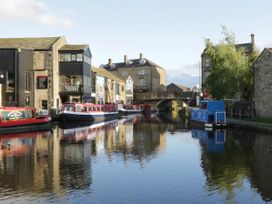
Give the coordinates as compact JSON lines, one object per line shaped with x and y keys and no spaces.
{"x":16,"y":89}
{"x":206,"y":63}
{"x":147,"y":76}
{"x":262,"y":69}
{"x":108,"y":88}
{"x":43,"y":72}
{"x":74,"y":73}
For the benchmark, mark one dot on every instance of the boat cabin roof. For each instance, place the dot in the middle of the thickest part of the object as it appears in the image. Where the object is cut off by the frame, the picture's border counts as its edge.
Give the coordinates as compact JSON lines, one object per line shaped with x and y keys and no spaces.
{"x":215,"y":105}
{"x":16,"y":108}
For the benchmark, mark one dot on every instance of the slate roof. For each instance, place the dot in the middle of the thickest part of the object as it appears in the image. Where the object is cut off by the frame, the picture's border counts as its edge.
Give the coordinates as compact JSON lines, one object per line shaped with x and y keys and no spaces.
{"x":132,"y":63}
{"x":105,"y":73}
{"x":248,"y":47}
{"x":180,"y":86}
{"x":74,"y":47}
{"x":29,"y":43}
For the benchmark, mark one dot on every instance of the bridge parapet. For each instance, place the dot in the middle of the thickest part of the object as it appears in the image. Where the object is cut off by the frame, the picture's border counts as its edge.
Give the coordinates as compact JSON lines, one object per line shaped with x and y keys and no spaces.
{"x":163,"y":95}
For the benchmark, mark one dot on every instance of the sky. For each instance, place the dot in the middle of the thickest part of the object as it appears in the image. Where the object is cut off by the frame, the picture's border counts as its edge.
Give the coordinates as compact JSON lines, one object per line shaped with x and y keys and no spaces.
{"x":170,"y":33}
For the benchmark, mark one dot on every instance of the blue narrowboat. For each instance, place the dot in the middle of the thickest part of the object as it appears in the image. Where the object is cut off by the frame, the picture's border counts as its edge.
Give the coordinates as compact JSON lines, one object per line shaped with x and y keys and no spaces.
{"x":210,"y":114}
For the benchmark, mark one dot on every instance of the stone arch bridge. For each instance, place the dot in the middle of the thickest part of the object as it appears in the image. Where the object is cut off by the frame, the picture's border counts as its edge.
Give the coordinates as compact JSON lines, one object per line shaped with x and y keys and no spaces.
{"x":162,"y":101}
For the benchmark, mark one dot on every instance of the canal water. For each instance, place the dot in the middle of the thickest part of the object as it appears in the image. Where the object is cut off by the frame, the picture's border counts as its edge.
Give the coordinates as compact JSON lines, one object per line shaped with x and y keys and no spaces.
{"x":140,"y":159}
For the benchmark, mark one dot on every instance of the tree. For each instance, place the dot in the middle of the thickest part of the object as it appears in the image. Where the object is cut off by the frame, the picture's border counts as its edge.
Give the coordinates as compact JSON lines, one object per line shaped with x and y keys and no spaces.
{"x":231,"y":75}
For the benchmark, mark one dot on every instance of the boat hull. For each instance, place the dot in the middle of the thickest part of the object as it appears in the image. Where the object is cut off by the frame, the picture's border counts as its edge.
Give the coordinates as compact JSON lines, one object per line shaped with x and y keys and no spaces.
{"x":26,"y":128}
{"x":204,"y":125}
{"x":129,"y":112}
{"x":91,"y":117}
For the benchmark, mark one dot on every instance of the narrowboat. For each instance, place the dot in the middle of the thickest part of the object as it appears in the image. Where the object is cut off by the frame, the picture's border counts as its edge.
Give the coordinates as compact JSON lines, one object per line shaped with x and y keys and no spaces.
{"x":210,"y":114}
{"x":133,"y":109}
{"x":22,"y":119}
{"x":130,"y":109}
{"x":88,"y":112}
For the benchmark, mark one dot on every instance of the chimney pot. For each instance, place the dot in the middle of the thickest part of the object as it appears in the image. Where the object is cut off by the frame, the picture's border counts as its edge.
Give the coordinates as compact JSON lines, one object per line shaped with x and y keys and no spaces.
{"x":110,"y":61}
{"x":141,"y":55}
{"x":125,"y":59}
{"x":252,"y":38}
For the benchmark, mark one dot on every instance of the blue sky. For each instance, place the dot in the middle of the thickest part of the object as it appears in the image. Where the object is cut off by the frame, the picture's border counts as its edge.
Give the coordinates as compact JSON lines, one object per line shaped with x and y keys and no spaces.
{"x":170,"y":33}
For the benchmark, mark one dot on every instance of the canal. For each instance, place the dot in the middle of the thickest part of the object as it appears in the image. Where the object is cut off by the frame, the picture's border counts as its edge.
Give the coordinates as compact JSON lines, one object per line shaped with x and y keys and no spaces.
{"x":141,"y":159}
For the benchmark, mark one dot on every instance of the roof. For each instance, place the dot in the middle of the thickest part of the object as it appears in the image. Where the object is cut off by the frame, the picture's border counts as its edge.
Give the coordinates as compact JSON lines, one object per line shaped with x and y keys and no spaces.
{"x":260,"y":56}
{"x":30,"y":43}
{"x":105,"y":73}
{"x":131,"y":63}
{"x":180,"y":86}
{"x":74,"y":47}
{"x":248,"y":47}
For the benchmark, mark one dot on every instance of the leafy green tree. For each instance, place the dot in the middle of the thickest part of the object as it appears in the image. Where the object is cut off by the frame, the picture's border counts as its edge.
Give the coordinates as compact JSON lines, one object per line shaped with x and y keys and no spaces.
{"x":231,"y":75}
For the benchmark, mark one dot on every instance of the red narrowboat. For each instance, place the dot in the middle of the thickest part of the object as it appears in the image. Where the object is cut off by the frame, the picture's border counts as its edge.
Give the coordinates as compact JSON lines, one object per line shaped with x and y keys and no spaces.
{"x":22,"y":119}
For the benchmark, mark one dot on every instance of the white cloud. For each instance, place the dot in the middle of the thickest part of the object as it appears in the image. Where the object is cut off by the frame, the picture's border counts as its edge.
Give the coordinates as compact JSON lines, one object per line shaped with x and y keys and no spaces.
{"x":187,"y":75}
{"x":32,"y":10}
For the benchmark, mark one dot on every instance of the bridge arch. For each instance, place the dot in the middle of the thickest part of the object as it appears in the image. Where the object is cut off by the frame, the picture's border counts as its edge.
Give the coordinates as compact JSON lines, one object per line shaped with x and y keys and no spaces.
{"x":164,"y":104}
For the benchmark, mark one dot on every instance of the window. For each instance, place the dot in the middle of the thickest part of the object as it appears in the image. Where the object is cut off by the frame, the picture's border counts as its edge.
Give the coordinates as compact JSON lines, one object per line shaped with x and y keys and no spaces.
{"x":207,"y":62}
{"x":122,"y":88}
{"x":124,"y":73}
{"x":141,"y":72}
{"x":44,"y":104}
{"x":11,"y":80}
{"x":42,"y":82}
{"x":27,"y":101}
{"x":117,"y":89}
{"x":67,"y":57}
{"x":27,"y":81}
{"x":141,"y":82}
{"x":79,"y":57}
{"x":73,"y":57}
{"x":61,"y":58}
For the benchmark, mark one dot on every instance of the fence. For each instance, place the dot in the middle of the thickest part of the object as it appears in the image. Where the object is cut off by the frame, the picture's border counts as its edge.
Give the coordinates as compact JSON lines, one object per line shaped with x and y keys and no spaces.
{"x":239,"y":109}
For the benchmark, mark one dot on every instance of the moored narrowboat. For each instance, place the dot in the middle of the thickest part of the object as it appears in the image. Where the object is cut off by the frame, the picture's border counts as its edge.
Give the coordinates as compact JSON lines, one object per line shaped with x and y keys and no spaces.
{"x":210,"y":114}
{"x":88,"y":112}
{"x":21,"y":119}
{"x":130,"y":109}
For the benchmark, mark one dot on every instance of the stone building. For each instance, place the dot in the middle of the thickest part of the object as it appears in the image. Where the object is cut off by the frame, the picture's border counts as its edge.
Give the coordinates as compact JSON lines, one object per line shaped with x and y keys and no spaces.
{"x":177,"y":89}
{"x":108,"y":88}
{"x":30,"y":67}
{"x":262,"y":69}
{"x":147,"y":76}
{"x":43,"y":72}
{"x":206,"y":64}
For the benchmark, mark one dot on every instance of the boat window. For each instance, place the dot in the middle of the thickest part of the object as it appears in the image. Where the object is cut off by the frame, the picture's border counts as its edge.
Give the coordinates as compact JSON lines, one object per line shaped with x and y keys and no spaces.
{"x":203,"y":105}
{"x":85,"y":109}
{"x":17,"y":114}
{"x":29,"y":114}
{"x":78,"y":108}
{"x":90,"y":108}
{"x":98,"y":108}
{"x":94,"y":108}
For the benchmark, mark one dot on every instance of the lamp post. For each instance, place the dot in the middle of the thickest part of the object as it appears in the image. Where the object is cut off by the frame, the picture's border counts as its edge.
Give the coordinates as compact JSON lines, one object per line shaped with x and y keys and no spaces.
{"x":1,"y":77}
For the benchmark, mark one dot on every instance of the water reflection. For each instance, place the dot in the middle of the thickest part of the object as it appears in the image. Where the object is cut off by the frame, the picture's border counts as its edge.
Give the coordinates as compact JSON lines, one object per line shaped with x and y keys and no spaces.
{"x":68,"y":161}
{"x":213,"y":141}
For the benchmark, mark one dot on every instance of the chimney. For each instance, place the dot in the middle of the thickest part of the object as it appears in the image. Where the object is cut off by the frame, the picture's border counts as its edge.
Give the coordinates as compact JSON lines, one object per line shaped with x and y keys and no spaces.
{"x":141,"y":56}
{"x":125,"y":59}
{"x":110,"y":61}
{"x":252,"y":39}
